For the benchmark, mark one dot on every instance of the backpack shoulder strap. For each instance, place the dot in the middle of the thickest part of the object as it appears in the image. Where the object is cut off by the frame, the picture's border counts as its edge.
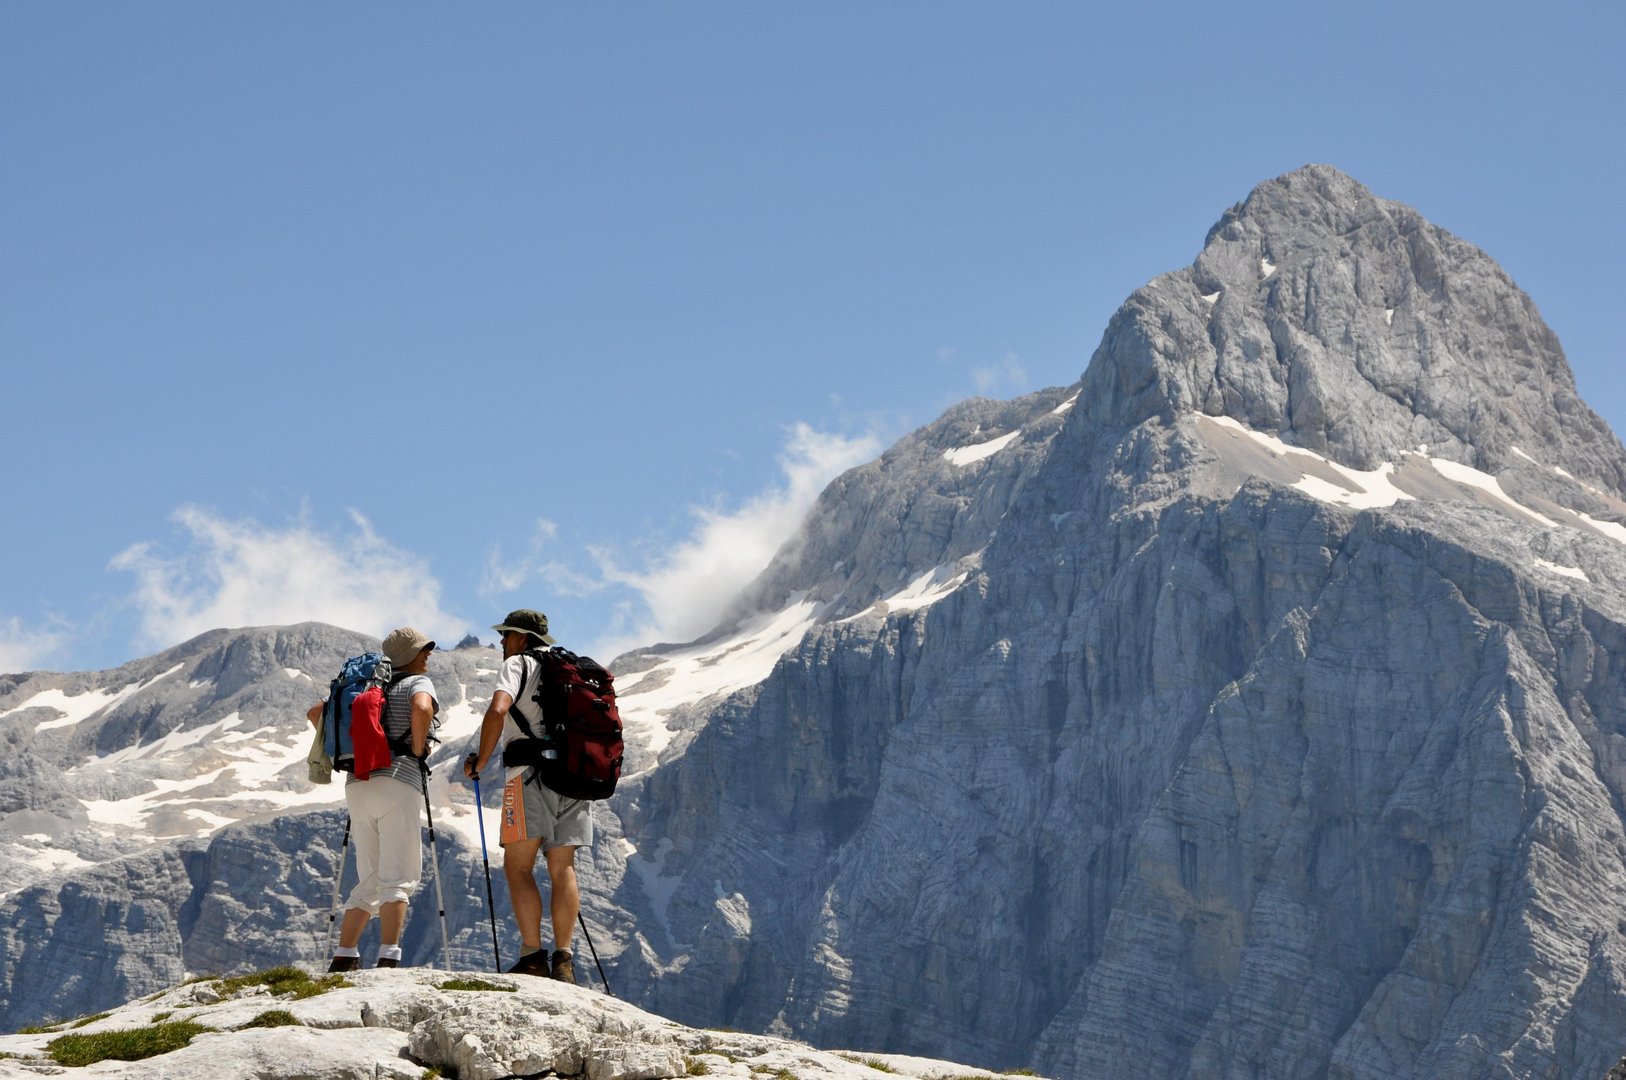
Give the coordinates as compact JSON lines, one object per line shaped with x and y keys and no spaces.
{"x":402,"y":745}
{"x":527,"y":678}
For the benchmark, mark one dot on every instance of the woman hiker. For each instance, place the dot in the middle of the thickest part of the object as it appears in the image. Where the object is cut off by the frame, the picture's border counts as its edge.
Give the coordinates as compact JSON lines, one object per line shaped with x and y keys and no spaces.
{"x":385,"y":808}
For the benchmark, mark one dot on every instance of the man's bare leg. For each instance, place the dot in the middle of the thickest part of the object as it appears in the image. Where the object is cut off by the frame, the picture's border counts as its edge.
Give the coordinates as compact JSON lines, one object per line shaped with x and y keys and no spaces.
{"x":567,"y":897}
{"x":519,"y":868}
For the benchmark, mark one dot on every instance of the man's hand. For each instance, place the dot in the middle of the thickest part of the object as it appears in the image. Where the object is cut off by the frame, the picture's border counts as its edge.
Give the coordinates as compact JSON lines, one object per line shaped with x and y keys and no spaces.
{"x":469,"y":766}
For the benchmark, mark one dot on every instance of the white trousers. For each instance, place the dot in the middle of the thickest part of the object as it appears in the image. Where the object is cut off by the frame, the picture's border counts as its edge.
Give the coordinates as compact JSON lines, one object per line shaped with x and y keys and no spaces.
{"x":387,"y":834}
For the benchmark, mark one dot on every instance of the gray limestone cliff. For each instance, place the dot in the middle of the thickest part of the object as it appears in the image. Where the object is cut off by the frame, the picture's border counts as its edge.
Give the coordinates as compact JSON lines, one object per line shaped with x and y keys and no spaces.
{"x":1277,"y":729}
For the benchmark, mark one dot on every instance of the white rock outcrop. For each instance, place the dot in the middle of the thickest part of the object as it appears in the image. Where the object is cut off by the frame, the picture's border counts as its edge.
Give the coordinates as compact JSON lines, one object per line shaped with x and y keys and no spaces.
{"x":413,"y":1023}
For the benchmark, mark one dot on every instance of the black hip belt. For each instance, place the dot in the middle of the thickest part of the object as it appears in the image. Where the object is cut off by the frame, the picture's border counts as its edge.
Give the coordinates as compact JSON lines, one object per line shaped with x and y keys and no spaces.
{"x":527,"y":752}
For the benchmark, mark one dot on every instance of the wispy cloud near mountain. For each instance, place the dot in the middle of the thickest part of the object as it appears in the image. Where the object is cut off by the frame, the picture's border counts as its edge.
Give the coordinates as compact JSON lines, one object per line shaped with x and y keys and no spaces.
{"x":686,"y":590}
{"x":243,"y":573}
{"x":24,"y":649}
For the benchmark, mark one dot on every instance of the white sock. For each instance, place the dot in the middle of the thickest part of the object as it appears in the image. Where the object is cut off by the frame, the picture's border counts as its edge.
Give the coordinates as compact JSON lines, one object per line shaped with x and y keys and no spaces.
{"x":389,"y":952}
{"x":342,"y":951}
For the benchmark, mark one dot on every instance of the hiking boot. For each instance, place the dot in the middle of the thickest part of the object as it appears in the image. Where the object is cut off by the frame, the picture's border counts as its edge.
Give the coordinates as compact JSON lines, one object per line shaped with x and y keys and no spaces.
{"x":533,"y":963}
{"x":564,"y":969}
{"x":388,"y":961}
{"x":345,"y":963}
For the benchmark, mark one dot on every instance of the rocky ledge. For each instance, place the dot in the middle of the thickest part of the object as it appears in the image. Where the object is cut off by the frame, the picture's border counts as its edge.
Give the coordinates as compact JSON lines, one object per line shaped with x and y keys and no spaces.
{"x":418,"y":1024}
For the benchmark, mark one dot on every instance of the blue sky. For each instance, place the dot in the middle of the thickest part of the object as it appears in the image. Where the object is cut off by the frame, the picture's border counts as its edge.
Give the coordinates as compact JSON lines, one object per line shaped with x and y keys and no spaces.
{"x":419,"y":312}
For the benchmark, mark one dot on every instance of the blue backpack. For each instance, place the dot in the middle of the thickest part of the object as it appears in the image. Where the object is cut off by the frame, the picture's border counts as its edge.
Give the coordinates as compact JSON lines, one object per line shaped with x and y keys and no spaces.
{"x":352,"y":733}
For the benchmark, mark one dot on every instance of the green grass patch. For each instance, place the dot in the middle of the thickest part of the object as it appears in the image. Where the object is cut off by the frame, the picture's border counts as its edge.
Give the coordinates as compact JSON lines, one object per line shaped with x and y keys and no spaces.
{"x":130,"y":1044}
{"x":875,"y":1063}
{"x":290,"y":981}
{"x":695,"y":1067}
{"x":52,"y":1026}
{"x":273,"y":1018}
{"x":475,"y":984}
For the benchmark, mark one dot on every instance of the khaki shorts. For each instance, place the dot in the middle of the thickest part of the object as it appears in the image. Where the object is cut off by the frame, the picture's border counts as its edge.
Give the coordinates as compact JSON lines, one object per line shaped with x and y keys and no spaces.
{"x":532,"y":811}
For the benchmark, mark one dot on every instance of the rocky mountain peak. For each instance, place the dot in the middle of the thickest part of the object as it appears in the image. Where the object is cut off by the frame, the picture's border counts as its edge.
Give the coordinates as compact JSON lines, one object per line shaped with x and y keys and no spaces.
{"x":1349,"y":325}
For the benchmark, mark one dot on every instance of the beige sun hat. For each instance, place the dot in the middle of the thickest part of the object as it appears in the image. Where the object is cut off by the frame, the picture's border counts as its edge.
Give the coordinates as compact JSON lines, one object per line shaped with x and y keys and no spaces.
{"x":402,"y":646}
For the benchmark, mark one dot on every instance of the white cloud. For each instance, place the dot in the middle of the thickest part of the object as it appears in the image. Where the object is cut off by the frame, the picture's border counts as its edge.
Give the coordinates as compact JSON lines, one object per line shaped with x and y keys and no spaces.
{"x":503,"y":575}
{"x":688,"y":589}
{"x":23,"y":649}
{"x":1006,"y":374}
{"x":241,"y":573}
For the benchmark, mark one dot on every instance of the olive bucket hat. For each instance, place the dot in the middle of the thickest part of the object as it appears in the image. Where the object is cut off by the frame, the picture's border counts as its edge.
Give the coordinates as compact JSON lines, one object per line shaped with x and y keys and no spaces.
{"x":526,"y":621}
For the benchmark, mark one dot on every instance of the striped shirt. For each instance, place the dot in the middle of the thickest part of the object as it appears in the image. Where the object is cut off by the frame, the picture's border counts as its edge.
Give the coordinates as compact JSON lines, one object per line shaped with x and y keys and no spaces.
{"x":398,"y":727}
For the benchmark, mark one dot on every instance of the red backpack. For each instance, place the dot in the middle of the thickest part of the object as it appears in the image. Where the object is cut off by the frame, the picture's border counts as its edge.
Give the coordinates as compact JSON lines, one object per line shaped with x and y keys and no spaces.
{"x":578,"y":754}
{"x":367,"y":737}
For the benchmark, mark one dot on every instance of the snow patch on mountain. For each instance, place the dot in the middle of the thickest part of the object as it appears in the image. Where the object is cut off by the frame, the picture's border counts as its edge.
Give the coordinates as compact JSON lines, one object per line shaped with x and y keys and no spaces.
{"x":1418,"y":475}
{"x":923,"y":591}
{"x":692,"y":673}
{"x":77,"y":707}
{"x":1612,"y":529}
{"x":1473,"y":478}
{"x":1356,"y":488}
{"x":658,"y":884}
{"x":47,"y":857}
{"x":243,"y":772}
{"x":1565,"y":571}
{"x":966,"y":455}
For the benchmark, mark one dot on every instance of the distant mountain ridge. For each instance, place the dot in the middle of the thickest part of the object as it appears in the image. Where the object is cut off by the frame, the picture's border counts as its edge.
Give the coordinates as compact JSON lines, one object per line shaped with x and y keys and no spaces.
{"x":176,"y":745}
{"x":1252,"y":707}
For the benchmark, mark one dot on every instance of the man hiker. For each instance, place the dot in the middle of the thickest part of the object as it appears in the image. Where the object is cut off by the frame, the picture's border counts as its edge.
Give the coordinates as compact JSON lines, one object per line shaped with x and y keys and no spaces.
{"x":385,"y":808}
{"x":534,"y":817}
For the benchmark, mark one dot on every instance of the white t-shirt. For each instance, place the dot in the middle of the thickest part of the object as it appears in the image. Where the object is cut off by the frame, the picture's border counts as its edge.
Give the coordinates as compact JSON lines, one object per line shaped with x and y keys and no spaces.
{"x":515,"y":676}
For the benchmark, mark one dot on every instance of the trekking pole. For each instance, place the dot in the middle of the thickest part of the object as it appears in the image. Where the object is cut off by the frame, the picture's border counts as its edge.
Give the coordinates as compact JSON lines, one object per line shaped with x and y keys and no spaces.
{"x":491,"y":905}
{"x":594,"y":951}
{"x":434,"y":858}
{"x":333,"y":906}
